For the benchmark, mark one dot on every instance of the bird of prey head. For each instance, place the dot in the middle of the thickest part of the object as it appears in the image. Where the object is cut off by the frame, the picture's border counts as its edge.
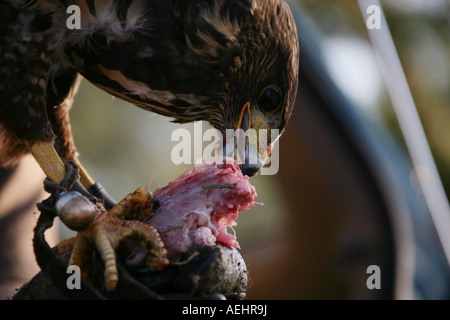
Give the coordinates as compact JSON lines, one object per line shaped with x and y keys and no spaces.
{"x":233,"y":63}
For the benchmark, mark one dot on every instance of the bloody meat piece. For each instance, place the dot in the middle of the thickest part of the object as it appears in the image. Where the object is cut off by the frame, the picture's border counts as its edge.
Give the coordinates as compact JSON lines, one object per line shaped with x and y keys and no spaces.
{"x":197,"y":207}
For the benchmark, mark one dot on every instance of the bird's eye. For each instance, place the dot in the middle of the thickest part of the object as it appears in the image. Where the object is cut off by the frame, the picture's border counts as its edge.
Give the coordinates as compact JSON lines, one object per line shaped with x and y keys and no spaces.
{"x":270,"y":99}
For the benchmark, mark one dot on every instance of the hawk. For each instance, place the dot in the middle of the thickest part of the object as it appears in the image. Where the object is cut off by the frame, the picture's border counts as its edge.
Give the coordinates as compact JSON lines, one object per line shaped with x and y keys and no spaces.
{"x":233,"y":63}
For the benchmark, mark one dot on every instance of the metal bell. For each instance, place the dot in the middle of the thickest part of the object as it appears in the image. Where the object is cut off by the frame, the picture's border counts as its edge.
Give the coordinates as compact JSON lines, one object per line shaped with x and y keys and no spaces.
{"x":75,"y":210}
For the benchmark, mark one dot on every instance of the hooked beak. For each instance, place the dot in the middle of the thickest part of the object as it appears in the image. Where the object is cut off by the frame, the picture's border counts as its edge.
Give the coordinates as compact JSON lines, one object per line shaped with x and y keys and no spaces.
{"x":251,"y":155}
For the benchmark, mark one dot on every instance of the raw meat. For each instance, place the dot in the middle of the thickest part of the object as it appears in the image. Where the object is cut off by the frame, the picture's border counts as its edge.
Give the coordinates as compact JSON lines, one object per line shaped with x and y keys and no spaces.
{"x":197,"y":207}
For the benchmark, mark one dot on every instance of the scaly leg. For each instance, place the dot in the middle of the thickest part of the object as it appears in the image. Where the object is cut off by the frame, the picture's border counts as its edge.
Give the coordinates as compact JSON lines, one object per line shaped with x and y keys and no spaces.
{"x":59,"y":99}
{"x":48,"y":160}
{"x":135,"y":206}
{"x":85,"y":178}
{"x":108,"y":254}
{"x":93,"y":187}
{"x":108,"y":230}
{"x":52,"y":165}
{"x":78,"y":258}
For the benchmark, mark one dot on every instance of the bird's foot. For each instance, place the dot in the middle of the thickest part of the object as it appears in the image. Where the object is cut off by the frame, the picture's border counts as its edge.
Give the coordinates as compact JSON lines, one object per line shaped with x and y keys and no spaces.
{"x":103,"y":231}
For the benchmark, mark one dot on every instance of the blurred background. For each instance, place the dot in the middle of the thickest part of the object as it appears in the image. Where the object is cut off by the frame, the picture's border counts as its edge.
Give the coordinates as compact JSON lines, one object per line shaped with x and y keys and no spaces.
{"x":345,"y":196}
